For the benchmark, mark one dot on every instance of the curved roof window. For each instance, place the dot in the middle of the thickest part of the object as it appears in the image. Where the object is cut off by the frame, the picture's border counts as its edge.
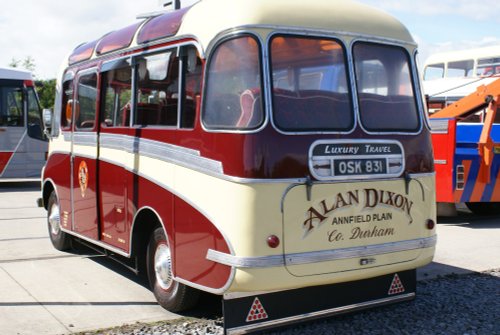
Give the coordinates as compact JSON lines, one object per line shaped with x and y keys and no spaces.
{"x":161,"y":26}
{"x":82,"y":52}
{"x":118,"y":39}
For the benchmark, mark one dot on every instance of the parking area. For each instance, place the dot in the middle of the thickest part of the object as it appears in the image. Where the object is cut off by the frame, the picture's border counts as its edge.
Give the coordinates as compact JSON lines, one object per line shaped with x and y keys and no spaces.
{"x":44,"y":291}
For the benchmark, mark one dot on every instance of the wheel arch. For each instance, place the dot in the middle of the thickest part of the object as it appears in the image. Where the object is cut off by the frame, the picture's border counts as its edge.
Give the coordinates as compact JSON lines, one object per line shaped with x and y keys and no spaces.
{"x":145,"y":221}
{"x":47,"y":188}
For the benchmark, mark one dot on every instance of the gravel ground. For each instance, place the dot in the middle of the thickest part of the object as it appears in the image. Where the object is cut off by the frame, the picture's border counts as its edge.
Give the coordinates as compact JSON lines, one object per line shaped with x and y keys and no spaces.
{"x":455,"y":304}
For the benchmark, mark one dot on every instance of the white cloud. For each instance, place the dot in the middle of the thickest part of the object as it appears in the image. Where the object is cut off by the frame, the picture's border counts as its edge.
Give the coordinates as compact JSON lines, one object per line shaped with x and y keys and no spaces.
{"x":48,"y":30}
{"x":426,"y":49}
{"x":484,"y":10}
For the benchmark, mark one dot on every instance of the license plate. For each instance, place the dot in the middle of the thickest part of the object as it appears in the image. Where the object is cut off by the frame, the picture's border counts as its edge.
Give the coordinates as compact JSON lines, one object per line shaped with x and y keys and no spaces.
{"x":352,"y":167}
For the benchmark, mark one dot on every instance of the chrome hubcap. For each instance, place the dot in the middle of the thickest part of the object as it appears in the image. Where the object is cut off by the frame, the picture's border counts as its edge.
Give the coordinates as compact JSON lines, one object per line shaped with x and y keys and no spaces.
{"x":163,"y":266}
{"x":54,"y":219}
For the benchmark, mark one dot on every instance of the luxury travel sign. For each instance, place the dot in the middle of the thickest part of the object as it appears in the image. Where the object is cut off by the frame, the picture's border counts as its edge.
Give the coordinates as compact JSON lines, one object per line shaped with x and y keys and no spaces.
{"x":368,"y":199}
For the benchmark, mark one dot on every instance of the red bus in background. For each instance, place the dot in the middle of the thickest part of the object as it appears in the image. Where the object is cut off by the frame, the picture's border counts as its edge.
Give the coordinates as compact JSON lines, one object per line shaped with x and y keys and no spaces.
{"x":279,"y":153}
{"x":23,"y":146}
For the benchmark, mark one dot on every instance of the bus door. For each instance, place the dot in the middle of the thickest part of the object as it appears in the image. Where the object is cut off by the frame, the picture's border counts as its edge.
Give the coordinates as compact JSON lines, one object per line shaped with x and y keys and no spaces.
{"x":84,"y":156}
{"x":115,"y":137}
{"x":12,"y":126}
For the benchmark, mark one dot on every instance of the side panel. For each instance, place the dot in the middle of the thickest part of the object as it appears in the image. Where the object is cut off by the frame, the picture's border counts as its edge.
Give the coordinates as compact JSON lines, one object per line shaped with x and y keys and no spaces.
{"x":113,"y":189}
{"x":194,"y":236}
{"x":443,"y":142}
{"x":476,"y":189}
{"x":84,"y":196}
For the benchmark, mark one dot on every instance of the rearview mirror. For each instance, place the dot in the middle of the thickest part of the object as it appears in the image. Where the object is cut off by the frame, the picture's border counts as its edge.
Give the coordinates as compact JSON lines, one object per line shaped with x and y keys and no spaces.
{"x":47,"y":121}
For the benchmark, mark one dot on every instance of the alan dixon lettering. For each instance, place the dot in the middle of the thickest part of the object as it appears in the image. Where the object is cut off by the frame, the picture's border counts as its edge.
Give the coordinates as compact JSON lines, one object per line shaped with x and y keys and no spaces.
{"x":369,"y":198}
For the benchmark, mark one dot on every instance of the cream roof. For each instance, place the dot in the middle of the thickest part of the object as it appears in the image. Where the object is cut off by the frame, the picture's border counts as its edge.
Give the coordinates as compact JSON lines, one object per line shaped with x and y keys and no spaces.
{"x":208,"y":18}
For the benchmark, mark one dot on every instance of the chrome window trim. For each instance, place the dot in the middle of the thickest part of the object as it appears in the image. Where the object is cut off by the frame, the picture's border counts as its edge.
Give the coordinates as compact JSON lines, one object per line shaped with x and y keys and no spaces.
{"x":420,"y":87}
{"x":327,"y":32}
{"x":314,"y":34}
{"x":319,"y":256}
{"x":413,"y":78}
{"x":216,"y":42}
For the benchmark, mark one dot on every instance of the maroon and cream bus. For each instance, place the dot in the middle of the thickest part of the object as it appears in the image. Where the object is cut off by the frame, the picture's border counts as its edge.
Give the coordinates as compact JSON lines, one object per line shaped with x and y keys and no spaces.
{"x":275,"y":153}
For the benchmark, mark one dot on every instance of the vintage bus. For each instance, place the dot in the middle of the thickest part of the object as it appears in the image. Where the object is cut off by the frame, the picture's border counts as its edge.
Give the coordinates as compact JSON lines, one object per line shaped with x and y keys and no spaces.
{"x":23,"y":147}
{"x":264,"y":151}
{"x":451,"y":75}
{"x":462,"y":174}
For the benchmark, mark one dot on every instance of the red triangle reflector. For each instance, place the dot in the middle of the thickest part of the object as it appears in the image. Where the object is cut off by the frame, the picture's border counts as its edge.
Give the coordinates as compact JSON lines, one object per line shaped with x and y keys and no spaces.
{"x":257,"y":311}
{"x":396,"y":286}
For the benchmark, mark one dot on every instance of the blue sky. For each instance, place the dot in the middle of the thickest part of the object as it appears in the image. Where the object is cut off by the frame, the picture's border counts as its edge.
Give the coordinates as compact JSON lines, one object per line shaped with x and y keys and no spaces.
{"x":48,"y":30}
{"x":445,"y":25}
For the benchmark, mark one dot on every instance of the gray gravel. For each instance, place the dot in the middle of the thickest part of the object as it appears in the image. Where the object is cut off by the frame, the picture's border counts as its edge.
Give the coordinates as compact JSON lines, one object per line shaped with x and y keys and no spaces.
{"x":455,"y":304}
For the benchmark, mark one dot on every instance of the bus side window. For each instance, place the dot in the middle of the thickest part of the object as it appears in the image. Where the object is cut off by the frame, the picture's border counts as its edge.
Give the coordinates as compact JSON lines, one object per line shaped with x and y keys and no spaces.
{"x":116,"y":98}
{"x":86,"y":103}
{"x":158,"y":89}
{"x":233,"y":86}
{"x":67,"y":104}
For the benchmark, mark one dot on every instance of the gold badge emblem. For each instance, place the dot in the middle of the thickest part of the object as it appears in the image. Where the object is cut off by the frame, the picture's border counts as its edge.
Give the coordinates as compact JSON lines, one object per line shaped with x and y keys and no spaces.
{"x":83,"y":177}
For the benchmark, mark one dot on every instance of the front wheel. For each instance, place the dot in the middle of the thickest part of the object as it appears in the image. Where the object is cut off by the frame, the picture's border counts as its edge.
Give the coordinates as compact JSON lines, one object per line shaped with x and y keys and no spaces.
{"x":170,"y":294}
{"x":60,"y":240}
{"x":484,"y":208}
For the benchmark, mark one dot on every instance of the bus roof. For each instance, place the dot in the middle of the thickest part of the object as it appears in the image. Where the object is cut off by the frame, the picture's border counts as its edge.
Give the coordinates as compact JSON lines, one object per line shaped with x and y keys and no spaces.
{"x":15,"y":74}
{"x":459,"y":55}
{"x":208,"y":18}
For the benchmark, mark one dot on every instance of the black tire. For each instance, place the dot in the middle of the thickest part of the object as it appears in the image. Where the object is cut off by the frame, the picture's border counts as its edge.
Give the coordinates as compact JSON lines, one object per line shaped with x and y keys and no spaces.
{"x":484,"y":208}
{"x":170,"y":294}
{"x":60,"y":240}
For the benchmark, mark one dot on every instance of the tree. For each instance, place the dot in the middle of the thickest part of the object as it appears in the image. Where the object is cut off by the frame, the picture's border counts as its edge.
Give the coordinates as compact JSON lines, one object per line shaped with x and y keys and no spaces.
{"x":27,"y":63}
{"x":46,"y":90}
{"x":14,"y":62}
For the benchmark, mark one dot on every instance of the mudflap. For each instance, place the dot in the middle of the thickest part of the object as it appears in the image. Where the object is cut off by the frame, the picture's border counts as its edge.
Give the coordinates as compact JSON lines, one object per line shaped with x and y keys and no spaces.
{"x":249,"y":314}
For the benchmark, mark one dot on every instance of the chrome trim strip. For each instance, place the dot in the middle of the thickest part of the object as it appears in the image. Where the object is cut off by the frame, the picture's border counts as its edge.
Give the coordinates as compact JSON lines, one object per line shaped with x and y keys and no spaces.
{"x":206,"y":288}
{"x":319,"y":256}
{"x":440,"y":161}
{"x":313,"y":315}
{"x":163,"y":151}
{"x":67,"y":135}
{"x":241,"y":180}
{"x":84,"y":138}
{"x":96,"y":242}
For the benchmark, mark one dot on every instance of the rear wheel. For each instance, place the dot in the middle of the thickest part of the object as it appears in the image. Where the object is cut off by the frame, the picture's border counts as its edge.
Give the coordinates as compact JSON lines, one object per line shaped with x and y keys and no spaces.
{"x":484,"y":208}
{"x":170,"y":294}
{"x":60,"y":240}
